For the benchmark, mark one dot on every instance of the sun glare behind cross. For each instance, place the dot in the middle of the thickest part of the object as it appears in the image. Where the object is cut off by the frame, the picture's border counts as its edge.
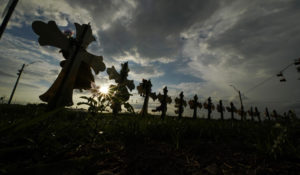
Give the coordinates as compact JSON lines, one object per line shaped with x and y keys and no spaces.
{"x":104,"y":89}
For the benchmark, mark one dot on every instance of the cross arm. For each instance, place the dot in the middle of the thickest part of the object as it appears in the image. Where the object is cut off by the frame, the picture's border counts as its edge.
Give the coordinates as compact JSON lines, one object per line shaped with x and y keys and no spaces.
{"x":96,"y":62}
{"x":50,"y":35}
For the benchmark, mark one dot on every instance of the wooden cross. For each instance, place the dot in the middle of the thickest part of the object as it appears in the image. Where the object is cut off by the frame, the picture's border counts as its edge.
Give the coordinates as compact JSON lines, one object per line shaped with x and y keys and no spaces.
{"x":209,"y":106}
{"x":221,"y":109}
{"x":144,"y":89}
{"x":119,"y":93}
{"x":232,"y":110}
{"x":267,"y":113}
{"x":257,"y":113}
{"x":164,"y":100}
{"x":180,"y":103}
{"x":76,"y":72}
{"x":251,"y":113}
{"x":194,"y":104}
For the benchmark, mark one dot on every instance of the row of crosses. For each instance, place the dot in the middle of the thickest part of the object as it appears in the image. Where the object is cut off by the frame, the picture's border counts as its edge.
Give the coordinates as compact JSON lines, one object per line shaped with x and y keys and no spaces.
{"x":180,"y":104}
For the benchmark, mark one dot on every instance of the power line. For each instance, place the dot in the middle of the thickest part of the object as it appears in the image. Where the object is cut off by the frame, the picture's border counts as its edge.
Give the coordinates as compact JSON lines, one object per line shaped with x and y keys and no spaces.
{"x":259,"y":84}
{"x":268,"y":79}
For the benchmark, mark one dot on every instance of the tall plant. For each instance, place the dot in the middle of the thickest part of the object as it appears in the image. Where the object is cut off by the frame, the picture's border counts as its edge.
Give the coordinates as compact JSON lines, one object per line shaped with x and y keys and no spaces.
{"x":98,"y":102}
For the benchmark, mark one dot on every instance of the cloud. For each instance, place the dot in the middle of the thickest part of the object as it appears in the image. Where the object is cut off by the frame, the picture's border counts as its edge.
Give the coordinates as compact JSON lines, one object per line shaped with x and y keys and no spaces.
{"x":151,"y":28}
{"x":4,"y":74}
{"x":138,"y":72}
{"x":243,"y":43}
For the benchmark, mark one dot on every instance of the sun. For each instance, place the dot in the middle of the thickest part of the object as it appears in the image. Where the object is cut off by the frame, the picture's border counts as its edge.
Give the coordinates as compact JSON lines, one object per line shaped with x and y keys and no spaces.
{"x":104,"y":89}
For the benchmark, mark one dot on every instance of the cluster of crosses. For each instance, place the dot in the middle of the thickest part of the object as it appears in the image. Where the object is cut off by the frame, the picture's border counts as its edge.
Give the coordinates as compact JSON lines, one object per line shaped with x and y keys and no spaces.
{"x":180,"y":104}
{"x":76,"y":74}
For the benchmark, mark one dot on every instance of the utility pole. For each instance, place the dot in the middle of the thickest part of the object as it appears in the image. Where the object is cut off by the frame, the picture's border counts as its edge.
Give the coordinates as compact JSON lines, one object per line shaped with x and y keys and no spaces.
{"x":19,"y":75}
{"x":11,"y":7}
{"x":16,"y":84}
{"x":242,"y":106}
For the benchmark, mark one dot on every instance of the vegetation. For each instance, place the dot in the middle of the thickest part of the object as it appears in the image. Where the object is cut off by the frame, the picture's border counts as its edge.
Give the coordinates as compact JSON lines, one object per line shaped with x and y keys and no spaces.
{"x":98,"y":102}
{"x":68,"y":141}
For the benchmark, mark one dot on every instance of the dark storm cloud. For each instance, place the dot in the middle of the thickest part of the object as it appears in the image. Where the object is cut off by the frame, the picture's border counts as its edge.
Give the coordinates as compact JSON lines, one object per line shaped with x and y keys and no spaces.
{"x":101,"y":9}
{"x":268,"y":31}
{"x":158,"y":24}
{"x":152,"y":29}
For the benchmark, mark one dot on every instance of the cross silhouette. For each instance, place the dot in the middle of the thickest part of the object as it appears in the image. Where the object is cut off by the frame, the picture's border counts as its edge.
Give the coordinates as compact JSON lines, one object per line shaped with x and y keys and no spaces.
{"x":76,"y":72}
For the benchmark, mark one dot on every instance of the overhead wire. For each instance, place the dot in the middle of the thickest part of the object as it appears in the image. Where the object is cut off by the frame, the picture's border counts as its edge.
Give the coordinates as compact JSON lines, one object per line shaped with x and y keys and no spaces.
{"x":267,"y":79}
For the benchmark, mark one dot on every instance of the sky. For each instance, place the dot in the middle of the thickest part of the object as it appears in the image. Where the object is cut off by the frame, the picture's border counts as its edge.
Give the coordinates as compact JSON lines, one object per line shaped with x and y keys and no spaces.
{"x":196,"y":46}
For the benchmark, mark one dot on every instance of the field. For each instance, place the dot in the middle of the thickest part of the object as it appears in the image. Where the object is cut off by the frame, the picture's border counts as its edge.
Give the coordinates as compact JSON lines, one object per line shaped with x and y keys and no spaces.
{"x":67,"y":141}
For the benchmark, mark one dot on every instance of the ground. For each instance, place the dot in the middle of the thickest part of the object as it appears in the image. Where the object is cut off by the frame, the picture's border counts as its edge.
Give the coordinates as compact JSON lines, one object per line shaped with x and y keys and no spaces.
{"x":67,"y":141}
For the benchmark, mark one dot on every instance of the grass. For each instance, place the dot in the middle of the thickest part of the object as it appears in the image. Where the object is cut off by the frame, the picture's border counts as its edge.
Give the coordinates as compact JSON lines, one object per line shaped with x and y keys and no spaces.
{"x":74,"y":142}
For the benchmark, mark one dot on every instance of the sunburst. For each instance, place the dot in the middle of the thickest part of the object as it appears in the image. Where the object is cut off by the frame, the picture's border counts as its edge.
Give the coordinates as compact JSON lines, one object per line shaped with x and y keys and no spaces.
{"x":104,"y":89}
